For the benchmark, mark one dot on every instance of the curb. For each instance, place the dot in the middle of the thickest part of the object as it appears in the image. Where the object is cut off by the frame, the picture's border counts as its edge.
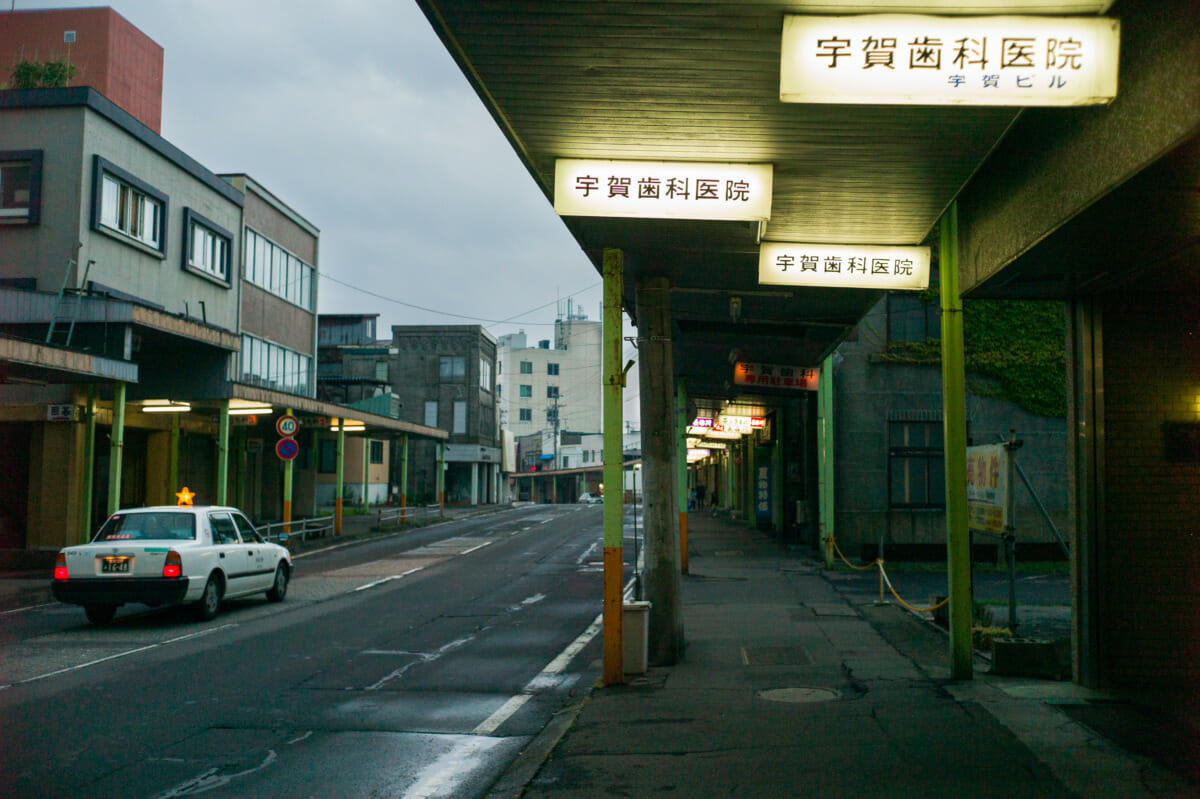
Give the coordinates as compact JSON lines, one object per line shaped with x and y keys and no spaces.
{"x":512,"y":783}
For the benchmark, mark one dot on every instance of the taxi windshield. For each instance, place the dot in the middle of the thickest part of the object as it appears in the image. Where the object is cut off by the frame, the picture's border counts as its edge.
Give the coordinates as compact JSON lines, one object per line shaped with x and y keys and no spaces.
{"x":157,"y":526}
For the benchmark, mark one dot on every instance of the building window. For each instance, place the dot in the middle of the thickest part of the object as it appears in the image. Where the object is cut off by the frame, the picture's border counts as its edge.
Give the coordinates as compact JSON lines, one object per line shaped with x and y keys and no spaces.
{"x":526,"y":391}
{"x":552,"y":369}
{"x":376,"y":452}
{"x":526,"y":367}
{"x":552,"y":415}
{"x":551,"y":392}
{"x":127,"y":208}
{"x":526,"y":414}
{"x":327,"y":456}
{"x":485,"y":374}
{"x":381,"y":371}
{"x":460,"y":416}
{"x":272,"y":366}
{"x":20,"y":187}
{"x":452,"y":368}
{"x":916,"y":466}
{"x":911,"y":318}
{"x":274,"y":269}
{"x":431,"y":414}
{"x":206,"y":247}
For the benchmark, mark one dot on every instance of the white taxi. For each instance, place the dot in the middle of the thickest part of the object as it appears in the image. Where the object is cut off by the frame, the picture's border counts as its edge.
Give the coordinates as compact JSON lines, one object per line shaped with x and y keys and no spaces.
{"x":171,"y":555}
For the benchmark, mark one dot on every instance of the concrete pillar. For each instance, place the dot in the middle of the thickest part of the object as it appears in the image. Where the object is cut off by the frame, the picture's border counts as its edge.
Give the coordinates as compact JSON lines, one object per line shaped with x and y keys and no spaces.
{"x":116,"y":452}
{"x":656,"y":382}
{"x":474,"y":483}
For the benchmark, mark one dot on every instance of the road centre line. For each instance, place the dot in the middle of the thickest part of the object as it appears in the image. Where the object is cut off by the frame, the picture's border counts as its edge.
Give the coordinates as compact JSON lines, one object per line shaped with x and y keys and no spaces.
{"x":555,"y":667}
{"x":27,"y":607}
{"x":477,"y":546}
{"x":129,"y":652}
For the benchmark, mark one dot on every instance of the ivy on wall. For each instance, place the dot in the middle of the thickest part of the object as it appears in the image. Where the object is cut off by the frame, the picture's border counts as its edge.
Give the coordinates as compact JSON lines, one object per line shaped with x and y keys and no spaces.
{"x":1014,"y":350}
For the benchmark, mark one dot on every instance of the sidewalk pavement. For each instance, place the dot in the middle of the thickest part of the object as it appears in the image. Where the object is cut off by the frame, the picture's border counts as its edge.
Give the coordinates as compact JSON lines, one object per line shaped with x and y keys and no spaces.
{"x":789,"y":687}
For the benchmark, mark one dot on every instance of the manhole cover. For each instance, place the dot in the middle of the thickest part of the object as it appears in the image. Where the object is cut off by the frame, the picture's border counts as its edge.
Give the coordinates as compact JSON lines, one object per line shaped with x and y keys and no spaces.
{"x":799,"y":695}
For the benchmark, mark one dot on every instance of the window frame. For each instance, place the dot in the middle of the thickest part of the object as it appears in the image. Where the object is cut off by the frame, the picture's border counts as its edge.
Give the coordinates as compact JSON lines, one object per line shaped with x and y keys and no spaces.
{"x":375,"y":451}
{"x":192,"y":220}
{"x":928,"y":457}
{"x":525,"y":414}
{"x":526,"y":367}
{"x":459,"y":425}
{"x":525,"y":391}
{"x":552,"y":369}
{"x":33,"y":208}
{"x":457,"y":371}
{"x":102,"y":167}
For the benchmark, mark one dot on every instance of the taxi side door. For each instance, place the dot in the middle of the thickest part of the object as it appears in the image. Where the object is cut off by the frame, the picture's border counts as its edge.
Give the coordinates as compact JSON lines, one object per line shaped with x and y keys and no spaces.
{"x":231,"y":553}
{"x":261,"y":565}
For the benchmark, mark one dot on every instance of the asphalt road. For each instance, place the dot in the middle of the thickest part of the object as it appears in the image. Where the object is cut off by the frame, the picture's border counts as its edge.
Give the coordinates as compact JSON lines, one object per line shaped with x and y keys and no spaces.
{"x":416,"y":665}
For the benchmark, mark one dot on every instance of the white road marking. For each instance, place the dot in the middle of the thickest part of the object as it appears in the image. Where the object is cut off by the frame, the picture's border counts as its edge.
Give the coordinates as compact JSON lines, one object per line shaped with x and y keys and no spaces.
{"x":478,"y":546}
{"x":543,"y":680}
{"x":300,"y":738}
{"x":30,"y":607}
{"x":526,"y":602}
{"x":388,"y":579}
{"x":422,"y":658}
{"x":210,"y":779}
{"x":444,"y":775}
{"x":129,"y":652}
{"x":587,"y":553}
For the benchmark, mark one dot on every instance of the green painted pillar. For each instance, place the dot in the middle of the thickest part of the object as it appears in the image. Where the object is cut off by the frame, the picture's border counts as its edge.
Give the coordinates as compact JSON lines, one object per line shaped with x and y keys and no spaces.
{"x":613,"y":448}
{"x":954,"y":416}
{"x":403,"y":477}
{"x":777,"y":470}
{"x":441,"y":480}
{"x":117,"y":450}
{"x":223,"y":455}
{"x":340,"y":478}
{"x":288,"y":473}
{"x":825,"y":431}
{"x":173,"y":457}
{"x":89,"y":466}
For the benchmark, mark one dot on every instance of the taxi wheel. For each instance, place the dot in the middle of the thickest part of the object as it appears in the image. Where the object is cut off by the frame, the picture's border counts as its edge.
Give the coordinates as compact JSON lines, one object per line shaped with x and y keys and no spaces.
{"x":100,"y":615}
{"x":279,"y":588}
{"x":210,"y":600}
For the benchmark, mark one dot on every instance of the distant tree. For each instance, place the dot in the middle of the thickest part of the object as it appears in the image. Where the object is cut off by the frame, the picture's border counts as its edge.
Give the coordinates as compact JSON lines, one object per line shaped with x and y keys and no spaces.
{"x":50,"y":74}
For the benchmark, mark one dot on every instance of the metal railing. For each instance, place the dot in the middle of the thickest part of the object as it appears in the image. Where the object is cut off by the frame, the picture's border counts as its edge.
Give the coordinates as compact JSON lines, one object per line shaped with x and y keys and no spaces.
{"x":302,"y":529}
{"x":397,"y":515}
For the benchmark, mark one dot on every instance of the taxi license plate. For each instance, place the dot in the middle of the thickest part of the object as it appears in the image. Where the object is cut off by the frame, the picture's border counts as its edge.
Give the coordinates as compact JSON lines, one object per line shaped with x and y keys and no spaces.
{"x":116,"y":565}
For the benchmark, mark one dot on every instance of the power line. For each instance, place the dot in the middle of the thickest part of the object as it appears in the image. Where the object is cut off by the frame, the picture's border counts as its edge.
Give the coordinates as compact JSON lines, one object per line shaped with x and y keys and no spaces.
{"x":395,"y":301}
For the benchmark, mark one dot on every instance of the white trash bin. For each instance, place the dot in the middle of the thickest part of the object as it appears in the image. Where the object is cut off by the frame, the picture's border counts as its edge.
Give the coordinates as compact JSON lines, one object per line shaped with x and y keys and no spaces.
{"x":635,"y":619}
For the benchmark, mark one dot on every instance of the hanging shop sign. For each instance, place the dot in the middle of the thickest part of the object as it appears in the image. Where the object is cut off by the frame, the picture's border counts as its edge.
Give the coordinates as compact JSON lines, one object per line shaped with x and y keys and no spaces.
{"x":663,"y":189}
{"x":901,"y":59}
{"x":741,"y":425}
{"x":770,"y":375}
{"x":843,"y":266}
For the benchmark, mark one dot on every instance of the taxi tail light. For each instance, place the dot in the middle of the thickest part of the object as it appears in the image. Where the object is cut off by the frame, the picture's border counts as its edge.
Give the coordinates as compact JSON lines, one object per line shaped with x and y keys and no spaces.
{"x":60,"y":567}
{"x":173,"y":565}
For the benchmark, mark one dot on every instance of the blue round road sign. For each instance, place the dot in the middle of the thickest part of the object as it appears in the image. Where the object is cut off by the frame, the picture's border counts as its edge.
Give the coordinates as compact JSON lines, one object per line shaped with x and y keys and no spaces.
{"x":287,"y":448}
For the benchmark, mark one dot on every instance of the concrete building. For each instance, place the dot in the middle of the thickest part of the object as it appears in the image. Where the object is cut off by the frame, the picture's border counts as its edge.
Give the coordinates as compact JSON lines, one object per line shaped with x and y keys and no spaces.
{"x":108,"y":53}
{"x":445,"y":377}
{"x":559,"y":388}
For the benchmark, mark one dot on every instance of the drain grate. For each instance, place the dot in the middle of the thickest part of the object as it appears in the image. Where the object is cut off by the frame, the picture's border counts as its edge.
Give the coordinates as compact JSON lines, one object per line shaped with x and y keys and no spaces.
{"x":775,"y":656}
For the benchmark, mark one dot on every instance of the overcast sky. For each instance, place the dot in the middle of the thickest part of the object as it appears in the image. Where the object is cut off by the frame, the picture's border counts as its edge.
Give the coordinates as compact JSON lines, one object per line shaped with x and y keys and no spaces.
{"x":354,"y":114}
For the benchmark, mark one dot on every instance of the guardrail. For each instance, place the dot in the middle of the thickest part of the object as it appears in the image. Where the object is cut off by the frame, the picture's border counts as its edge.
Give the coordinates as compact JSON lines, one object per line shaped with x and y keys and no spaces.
{"x":302,"y":529}
{"x":397,"y":515}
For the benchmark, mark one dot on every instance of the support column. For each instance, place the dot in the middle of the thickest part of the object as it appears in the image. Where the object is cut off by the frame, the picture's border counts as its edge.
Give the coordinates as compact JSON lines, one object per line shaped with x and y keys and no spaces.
{"x":341,"y":474}
{"x":1085,"y":454}
{"x":117,"y":452}
{"x":223,"y":454}
{"x":474,"y":483}
{"x":173,"y":458}
{"x":656,"y":370}
{"x":441,"y":480}
{"x":288,"y":473}
{"x":954,"y":420}
{"x":404,"y":479}
{"x":613,"y":496}
{"x":89,"y":466}
{"x":681,"y":426}
{"x":825,"y":428}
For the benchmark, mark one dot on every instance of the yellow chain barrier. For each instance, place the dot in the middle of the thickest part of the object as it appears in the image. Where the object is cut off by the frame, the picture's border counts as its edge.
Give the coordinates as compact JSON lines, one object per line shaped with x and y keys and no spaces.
{"x":883,"y":575}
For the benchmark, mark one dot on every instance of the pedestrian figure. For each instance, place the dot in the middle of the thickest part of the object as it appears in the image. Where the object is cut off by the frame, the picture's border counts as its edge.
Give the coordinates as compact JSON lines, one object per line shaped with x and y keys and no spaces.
{"x":700,"y":496}
{"x":691,"y":499}
{"x":712,"y":498}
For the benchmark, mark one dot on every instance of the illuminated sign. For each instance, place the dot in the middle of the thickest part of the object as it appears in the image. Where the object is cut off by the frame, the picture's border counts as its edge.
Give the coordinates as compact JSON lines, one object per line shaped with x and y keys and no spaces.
{"x":663,"y":189}
{"x":696,"y":454}
{"x":741,"y":425}
{"x":843,"y":266}
{"x":900,"y":59}
{"x":695,"y":443}
{"x":769,"y":375}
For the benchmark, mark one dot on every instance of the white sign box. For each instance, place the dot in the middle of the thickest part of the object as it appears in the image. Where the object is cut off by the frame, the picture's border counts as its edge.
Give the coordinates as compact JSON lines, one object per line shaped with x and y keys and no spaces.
{"x":845,"y":266}
{"x":663,"y":189}
{"x":900,"y":59}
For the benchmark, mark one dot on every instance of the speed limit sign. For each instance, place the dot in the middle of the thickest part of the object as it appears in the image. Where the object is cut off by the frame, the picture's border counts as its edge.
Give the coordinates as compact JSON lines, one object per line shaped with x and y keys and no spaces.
{"x":287,"y":425}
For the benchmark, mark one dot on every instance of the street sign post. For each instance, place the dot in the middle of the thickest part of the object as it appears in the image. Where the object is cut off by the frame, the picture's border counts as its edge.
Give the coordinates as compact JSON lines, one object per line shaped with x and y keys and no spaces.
{"x":287,"y":449}
{"x":287,"y":425}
